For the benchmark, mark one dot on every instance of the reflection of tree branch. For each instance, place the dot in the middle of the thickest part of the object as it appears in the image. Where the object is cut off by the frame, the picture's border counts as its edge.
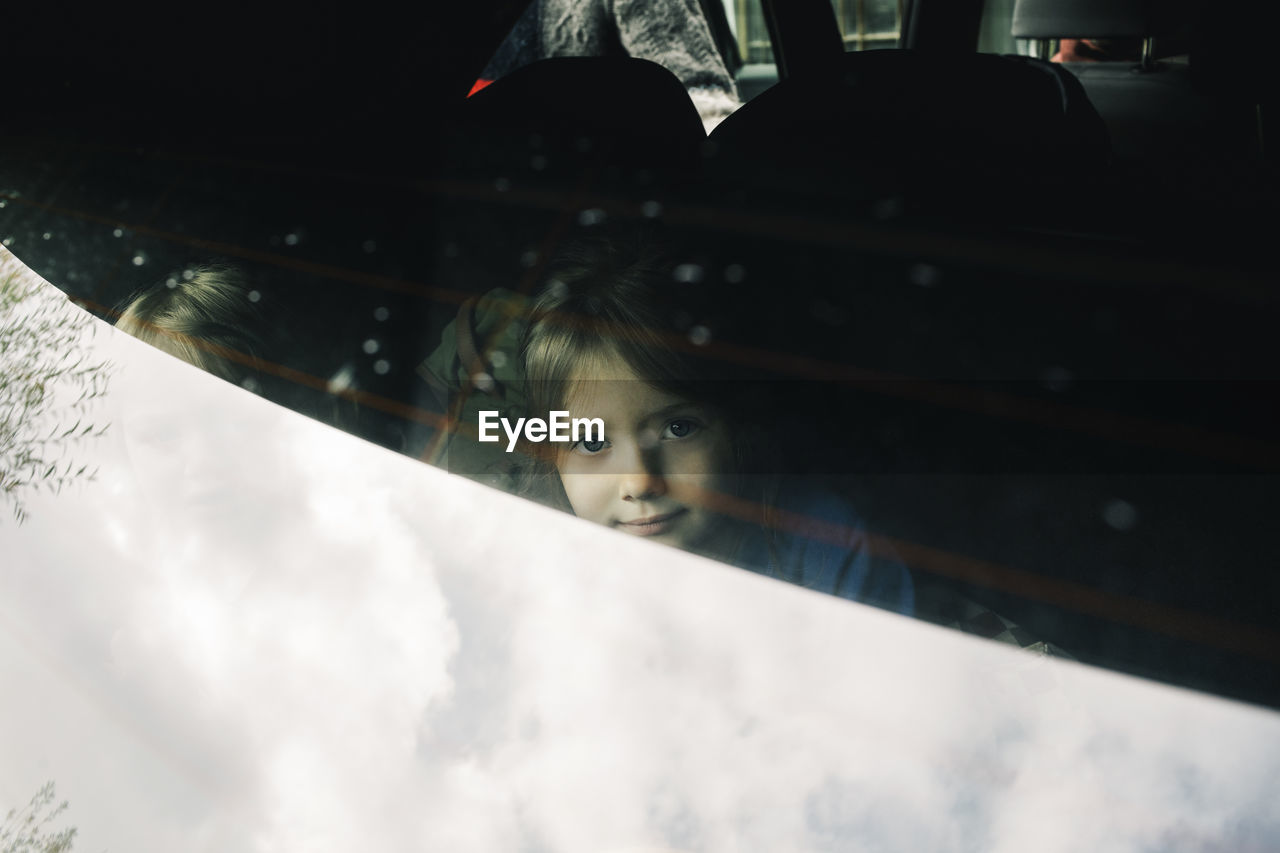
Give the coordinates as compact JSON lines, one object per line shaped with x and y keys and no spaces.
{"x":46,"y":379}
{"x":26,"y":830}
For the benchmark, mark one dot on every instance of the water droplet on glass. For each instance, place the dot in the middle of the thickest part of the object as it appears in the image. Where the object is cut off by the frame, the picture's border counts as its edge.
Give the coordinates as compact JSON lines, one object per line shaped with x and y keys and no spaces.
{"x":369,"y":247}
{"x":188,"y":274}
{"x":735,"y":273}
{"x":1120,"y":515}
{"x":557,"y":289}
{"x":1106,"y":321}
{"x":498,"y":359}
{"x":370,"y":346}
{"x":291,"y":239}
{"x":502,"y":185}
{"x":700,"y":336}
{"x":1056,"y":378}
{"x":591,"y":216}
{"x":829,"y":313}
{"x":382,"y":367}
{"x":888,"y":208}
{"x":254,"y":296}
{"x":251,"y":384}
{"x":139,"y":259}
{"x":46,"y":235}
{"x":651,"y":209}
{"x":343,"y":380}
{"x":688,"y":273}
{"x":119,"y":232}
{"x":482,"y":382}
{"x":171,"y":282}
{"x":3,"y":204}
{"x":381,"y":314}
{"x":925,"y":275}
{"x":528,"y":259}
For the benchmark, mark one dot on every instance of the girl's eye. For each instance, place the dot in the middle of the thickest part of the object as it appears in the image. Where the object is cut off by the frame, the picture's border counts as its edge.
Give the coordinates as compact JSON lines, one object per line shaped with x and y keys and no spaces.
{"x":681,"y":428}
{"x":590,"y":447}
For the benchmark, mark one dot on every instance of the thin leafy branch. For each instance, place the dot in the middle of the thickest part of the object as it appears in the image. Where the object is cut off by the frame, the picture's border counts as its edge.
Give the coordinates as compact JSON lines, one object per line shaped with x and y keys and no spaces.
{"x":31,"y":828}
{"x":47,"y":380}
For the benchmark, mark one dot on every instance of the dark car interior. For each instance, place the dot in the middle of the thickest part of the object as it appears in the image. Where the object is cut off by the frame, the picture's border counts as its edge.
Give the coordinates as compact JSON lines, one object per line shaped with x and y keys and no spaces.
{"x":1032,"y":303}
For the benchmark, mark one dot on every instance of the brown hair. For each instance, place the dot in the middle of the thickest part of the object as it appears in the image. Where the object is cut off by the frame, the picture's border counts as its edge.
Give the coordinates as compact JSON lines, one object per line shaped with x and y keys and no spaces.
{"x":625,"y":297}
{"x":205,"y":317}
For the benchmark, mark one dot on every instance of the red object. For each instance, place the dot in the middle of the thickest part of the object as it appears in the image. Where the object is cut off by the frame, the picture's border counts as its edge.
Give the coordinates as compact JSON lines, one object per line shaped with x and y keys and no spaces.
{"x":479,"y":84}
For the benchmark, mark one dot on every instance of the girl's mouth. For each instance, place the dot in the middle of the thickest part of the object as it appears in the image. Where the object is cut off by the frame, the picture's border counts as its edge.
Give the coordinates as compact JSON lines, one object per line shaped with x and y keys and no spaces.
{"x":653,"y":525}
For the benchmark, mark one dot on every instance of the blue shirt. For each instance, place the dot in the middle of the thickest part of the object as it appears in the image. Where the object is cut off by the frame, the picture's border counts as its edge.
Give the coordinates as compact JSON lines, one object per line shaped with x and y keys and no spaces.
{"x":815,"y":539}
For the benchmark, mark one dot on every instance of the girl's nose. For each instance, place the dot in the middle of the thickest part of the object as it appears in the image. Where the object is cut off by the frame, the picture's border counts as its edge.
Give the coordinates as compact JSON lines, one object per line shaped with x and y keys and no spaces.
{"x":642,"y":482}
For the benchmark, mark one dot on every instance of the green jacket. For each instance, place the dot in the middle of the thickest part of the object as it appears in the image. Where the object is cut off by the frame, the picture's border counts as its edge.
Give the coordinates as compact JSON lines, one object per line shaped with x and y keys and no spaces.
{"x":477,"y":367}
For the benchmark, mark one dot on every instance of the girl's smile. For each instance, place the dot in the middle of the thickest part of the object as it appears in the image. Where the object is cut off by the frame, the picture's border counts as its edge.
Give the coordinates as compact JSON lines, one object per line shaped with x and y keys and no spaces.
{"x":653,"y":525}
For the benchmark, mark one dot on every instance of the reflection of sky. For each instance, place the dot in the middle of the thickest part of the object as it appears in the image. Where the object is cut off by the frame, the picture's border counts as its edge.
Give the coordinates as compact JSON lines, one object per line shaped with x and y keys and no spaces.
{"x":253,"y":633}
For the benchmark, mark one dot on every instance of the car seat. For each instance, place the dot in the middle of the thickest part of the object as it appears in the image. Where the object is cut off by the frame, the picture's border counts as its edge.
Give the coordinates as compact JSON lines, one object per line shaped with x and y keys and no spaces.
{"x":1154,"y":110}
{"x":967,"y":130}
{"x":570,"y":111}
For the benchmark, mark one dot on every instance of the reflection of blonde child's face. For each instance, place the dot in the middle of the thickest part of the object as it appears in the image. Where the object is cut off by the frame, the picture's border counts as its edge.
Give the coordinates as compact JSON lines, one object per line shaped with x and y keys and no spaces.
{"x":662,"y":459}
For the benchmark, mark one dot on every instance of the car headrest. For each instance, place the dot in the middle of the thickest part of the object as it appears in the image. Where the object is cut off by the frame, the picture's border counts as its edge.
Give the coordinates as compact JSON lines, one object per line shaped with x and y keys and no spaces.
{"x":625,"y":109}
{"x":1051,"y":19}
{"x":923,"y":115}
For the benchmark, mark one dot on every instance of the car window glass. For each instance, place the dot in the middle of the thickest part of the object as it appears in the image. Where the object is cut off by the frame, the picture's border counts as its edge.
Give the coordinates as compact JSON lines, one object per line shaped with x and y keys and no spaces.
{"x":994,"y":34}
{"x":984,"y":398}
{"x":869,"y":24}
{"x":739,"y":30}
{"x":864,"y":25}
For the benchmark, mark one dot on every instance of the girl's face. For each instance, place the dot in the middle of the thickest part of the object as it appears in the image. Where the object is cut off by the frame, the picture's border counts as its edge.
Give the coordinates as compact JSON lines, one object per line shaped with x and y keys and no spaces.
{"x":662,"y":461}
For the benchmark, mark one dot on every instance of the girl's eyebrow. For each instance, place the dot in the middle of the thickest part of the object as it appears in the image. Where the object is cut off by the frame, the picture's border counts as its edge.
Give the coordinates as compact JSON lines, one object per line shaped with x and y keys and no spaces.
{"x":682,"y":406}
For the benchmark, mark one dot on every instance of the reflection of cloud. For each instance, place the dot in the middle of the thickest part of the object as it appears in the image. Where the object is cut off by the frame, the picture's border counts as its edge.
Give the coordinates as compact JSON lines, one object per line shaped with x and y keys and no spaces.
{"x":256,"y":634}
{"x":650,"y":702}
{"x":1149,"y":778}
{"x":673,"y":693}
{"x":306,"y":645}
